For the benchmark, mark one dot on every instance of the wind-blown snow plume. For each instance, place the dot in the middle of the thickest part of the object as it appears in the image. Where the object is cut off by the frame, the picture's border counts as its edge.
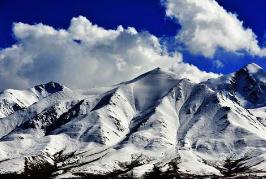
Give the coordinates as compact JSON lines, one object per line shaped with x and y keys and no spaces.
{"x":83,"y":55}
{"x":206,"y":27}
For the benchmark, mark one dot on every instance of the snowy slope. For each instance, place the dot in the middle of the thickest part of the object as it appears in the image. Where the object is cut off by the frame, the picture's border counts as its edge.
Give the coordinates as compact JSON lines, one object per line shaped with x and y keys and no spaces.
{"x":247,"y":86}
{"x":12,"y":100}
{"x":153,"y":121}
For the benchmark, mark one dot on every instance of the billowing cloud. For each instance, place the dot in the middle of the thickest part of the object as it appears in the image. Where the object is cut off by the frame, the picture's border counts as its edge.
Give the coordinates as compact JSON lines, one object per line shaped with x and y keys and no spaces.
{"x":206,"y":26}
{"x":82,"y":56}
{"x":191,"y":72}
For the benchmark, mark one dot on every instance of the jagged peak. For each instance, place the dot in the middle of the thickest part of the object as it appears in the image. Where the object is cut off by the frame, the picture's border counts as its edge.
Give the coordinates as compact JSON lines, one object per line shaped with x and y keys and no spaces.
{"x":50,"y":87}
{"x":252,"y":68}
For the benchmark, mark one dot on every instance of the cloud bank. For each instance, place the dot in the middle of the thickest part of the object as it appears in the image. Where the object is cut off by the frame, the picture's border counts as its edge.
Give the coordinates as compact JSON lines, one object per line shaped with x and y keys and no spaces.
{"x":84,"y":55}
{"x":206,"y":26}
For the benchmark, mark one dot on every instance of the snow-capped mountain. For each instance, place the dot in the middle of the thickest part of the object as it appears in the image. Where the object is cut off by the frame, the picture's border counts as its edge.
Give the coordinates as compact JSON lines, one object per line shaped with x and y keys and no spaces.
{"x":154,"y":125}
{"x":14,"y":100}
{"x":247,"y":86}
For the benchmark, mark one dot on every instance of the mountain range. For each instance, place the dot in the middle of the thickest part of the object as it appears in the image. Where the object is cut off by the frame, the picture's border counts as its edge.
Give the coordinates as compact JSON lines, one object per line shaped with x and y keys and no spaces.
{"x":153,"y":126}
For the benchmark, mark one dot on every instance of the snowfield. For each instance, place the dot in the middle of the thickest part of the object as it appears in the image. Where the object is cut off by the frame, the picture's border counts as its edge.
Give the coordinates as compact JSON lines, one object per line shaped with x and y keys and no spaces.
{"x":154,"y":125}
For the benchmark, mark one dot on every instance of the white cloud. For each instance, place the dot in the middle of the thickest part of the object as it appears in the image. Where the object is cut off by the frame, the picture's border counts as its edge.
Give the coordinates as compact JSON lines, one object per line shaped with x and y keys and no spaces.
{"x":191,"y":72}
{"x":83,"y":55}
{"x":206,"y":27}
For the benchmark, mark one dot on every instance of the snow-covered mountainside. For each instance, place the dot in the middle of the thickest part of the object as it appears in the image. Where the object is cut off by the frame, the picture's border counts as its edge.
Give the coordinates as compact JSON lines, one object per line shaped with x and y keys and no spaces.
{"x":155,"y":125}
{"x":14,"y":100}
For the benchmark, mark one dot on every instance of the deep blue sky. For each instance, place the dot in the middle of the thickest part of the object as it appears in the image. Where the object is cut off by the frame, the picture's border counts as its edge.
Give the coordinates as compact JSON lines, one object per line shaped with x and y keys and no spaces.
{"x":142,"y":14}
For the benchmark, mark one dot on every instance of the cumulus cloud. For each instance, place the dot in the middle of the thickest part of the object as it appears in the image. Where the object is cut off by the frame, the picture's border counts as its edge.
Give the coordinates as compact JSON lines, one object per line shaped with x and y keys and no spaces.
{"x":191,"y":72}
{"x":206,"y":26}
{"x":82,"y":56}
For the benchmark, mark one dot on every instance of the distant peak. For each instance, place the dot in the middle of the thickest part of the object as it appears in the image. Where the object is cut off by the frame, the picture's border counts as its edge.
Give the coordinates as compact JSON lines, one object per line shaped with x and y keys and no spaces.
{"x":252,"y":68}
{"x":51,"y":87}
{"x":53,"y":84}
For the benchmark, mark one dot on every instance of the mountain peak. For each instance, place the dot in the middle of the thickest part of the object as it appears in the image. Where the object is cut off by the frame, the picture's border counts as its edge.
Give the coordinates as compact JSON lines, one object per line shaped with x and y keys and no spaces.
{"x":155,"y":71}
{"x":252,"y":68}
{"x":50,"y":87}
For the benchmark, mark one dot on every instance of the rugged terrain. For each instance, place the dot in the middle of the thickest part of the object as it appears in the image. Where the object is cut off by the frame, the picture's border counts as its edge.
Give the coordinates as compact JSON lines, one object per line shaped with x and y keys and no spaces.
{"x":153,"y":126}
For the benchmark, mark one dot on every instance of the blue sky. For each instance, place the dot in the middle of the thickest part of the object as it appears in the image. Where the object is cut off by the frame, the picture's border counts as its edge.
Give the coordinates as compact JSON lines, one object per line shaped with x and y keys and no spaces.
{"x":143,"y":15}
{"x":147,"y":15}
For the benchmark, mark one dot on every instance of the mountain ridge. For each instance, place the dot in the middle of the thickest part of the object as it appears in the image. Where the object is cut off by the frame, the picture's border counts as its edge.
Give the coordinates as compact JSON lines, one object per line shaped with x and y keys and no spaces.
{"x":155,"y":121}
